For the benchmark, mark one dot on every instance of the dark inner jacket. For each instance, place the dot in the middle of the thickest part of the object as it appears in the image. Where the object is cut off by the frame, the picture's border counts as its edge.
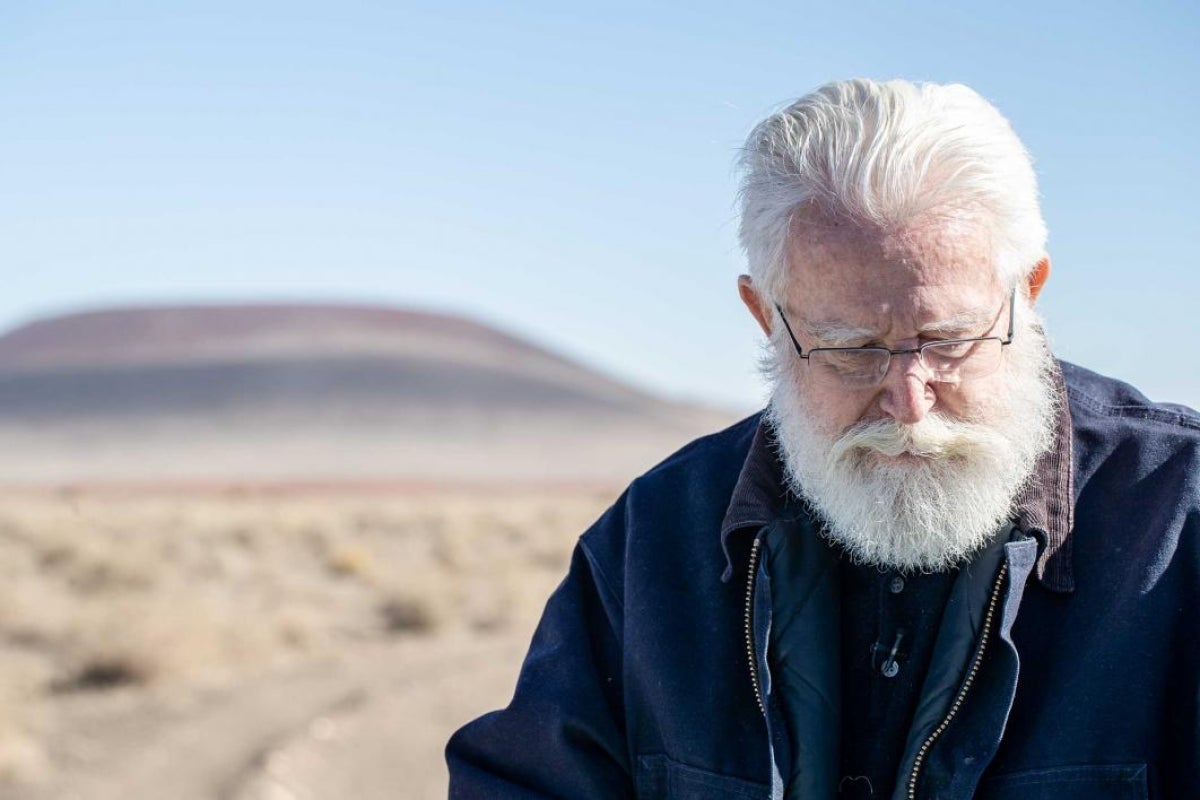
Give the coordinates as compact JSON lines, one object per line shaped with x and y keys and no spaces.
{"x":826,"y":610}
{"x":649,"y":676}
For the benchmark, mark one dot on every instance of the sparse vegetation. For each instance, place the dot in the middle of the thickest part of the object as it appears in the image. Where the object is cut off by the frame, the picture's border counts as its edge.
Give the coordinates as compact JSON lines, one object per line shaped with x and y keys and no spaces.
{"x":107,"y":593}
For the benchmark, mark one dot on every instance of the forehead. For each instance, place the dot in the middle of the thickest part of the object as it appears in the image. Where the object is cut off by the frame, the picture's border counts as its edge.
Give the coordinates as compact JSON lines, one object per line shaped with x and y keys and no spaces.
{"x":839,"y":272}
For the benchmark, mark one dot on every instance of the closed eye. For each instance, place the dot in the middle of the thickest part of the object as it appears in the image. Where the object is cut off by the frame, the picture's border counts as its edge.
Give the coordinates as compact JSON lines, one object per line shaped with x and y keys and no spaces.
{"x":953,"y":348}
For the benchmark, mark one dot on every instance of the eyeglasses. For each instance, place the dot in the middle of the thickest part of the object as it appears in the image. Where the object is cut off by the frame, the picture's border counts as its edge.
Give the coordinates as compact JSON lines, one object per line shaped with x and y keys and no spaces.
{"x":947,"y":361}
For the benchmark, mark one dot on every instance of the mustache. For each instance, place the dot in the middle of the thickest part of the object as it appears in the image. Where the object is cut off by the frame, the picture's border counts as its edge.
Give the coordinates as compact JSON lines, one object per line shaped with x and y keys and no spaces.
{"x":936,"y":437}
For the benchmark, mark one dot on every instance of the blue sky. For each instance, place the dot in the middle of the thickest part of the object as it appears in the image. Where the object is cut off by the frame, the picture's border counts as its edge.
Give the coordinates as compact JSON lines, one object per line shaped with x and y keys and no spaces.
{"x":564,"y":172}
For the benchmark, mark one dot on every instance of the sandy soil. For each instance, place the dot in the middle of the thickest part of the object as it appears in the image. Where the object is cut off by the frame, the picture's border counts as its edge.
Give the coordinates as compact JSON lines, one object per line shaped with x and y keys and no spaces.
{"x":261,"y":646}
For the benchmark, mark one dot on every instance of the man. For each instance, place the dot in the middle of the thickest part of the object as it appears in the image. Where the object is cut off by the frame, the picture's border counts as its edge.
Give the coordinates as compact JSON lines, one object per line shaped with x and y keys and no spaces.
{"x":940,"y":565}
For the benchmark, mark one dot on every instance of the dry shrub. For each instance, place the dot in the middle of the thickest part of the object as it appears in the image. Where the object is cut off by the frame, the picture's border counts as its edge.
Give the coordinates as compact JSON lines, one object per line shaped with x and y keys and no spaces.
{"x":403,"y":614}
{"x":33,"y":612}
{"x":298,"y":628}
{"x":140,"y":641}
{"x":422,"y":604}
{"x":349,"y":560}
{"x":107,"y":671}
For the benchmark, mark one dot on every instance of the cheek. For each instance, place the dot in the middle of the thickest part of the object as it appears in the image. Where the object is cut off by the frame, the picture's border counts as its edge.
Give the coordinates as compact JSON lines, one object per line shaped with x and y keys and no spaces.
{"x":969,"y":401}
{"x":835,"y":411}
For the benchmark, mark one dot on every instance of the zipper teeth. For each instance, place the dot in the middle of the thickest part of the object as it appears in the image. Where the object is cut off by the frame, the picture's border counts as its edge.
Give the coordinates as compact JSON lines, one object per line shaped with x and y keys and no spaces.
{"x":748,"y":617}
{"x":966,"y":687}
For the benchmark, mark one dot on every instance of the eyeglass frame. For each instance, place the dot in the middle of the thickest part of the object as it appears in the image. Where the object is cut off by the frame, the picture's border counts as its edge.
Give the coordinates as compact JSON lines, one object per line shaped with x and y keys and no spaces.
{"x":919,"y":349}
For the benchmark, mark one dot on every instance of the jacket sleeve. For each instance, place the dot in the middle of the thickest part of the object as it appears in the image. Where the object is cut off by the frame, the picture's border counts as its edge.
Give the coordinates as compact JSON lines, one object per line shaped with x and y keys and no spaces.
{"x":563,"y":733}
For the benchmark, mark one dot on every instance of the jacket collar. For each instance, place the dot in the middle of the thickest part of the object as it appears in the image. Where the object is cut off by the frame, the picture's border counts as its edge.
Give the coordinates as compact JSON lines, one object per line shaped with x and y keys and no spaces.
{"x":1045,"y":508}
{"x":760,"y":494}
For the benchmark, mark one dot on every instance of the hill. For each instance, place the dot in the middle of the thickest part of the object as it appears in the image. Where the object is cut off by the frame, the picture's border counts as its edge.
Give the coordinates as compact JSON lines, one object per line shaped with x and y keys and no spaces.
{"x":315,"y":393}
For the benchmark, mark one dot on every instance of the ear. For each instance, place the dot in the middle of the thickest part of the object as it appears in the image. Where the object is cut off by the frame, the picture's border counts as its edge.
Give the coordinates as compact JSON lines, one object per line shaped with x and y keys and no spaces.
{"x":1037,"y":278}
{"x":760,"y":309}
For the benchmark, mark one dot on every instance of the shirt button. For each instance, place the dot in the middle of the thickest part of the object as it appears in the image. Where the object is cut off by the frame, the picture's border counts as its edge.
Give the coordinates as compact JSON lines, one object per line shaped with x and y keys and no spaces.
{"x":896,"y":585}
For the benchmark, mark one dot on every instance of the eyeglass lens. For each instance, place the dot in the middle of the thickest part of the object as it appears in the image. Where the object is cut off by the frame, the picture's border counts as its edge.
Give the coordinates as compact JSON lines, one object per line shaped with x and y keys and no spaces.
{"x":947,"y":362}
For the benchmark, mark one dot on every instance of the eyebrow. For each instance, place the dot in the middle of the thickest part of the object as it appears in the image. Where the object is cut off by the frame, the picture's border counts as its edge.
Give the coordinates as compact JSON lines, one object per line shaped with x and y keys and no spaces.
{"x":962,"y":322}
{"x":834,"y":334}
{"x":839,"y":334}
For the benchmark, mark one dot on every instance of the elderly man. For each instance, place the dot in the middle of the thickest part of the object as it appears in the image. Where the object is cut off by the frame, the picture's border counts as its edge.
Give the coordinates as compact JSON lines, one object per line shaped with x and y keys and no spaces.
{"x":941,"y":564}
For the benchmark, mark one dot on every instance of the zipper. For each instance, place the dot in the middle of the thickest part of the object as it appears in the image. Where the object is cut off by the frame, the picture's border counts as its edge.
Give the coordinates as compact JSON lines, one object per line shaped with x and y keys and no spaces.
{"x":986,"y":634}
{"x":748,"y":617}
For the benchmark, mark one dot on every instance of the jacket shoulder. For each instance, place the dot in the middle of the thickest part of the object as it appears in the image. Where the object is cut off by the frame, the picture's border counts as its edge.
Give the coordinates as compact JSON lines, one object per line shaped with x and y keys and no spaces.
{"x":723,"y":451}
{"x":682,"y":498}
{"x":1095,"y":396}
{"x":1130,"y":447}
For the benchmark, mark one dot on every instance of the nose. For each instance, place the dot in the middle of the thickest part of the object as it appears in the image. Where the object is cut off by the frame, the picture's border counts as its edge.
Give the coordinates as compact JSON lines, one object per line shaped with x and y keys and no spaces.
{"x":907,"y":393}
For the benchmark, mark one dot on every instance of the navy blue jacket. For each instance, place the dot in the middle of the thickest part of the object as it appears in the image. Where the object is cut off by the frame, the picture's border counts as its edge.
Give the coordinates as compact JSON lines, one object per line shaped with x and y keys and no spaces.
{"x":649,"y":674}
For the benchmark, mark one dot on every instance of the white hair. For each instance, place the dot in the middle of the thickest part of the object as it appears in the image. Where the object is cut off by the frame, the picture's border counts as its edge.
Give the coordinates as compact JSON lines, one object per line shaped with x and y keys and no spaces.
{"x":888,"y":155}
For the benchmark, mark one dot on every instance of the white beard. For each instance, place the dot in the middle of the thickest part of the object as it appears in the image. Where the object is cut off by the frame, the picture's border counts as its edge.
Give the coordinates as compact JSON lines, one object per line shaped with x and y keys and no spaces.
{"x":931,"y":512}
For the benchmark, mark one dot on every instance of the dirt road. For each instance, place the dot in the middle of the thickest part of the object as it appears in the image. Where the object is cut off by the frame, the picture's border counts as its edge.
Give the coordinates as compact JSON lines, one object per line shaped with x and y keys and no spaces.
{"x":368,"y":724}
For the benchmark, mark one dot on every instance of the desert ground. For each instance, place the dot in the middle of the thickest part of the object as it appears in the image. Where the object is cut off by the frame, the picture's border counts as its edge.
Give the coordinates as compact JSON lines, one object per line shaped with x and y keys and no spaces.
{"x":264,"y":644}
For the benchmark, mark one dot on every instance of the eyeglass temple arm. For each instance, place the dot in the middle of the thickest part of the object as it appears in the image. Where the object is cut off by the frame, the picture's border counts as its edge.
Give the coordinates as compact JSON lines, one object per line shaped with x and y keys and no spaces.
{"x":1012,"y":315}
{"x":791,"y":335}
